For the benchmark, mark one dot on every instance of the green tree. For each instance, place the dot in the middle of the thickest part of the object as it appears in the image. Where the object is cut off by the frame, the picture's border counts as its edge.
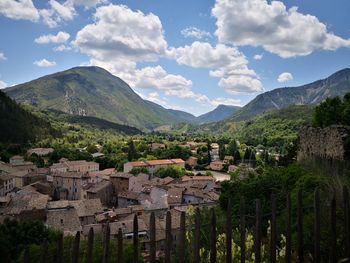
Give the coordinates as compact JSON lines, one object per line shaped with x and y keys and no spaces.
{"x":328,"y":112}
{"x":132,"y":153}
{"x":173,"y":171}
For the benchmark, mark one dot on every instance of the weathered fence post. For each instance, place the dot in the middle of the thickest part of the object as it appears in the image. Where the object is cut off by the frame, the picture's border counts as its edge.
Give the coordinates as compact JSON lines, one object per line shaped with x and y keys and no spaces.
{"x":90,"y":246}
{"x":273,"y":230}
{"x":76,"y":246}
{"x":300,"y":241}
{"x":229,"y":233}
{"x":317,"y":226}
{"x":60,"y":248}
{"x":182,"y":237}
{"x":346,"y":220}
{"x":136,"y":240}
{"x":197,"y":233}
{"x":120,"y":258}
{"x":26,"y":256}
{"x":152,"y":252}
{"x":288,"y":230}
{"x":44,"y":249}
{"x":242,"y":228}
{"x":106,"y":244}
{"x":257,"y":240}
{"x":333,"y":247}
{"x":213,"y":237}
{"x":168,"y":237}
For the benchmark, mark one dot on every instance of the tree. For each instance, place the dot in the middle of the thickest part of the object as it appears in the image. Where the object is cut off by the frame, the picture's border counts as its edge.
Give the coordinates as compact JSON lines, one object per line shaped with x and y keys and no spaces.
{"x":232,"y":147}
{"x":132,"y":153}
{"x":328,"y":112}
{"x":222,"y":151}
{"x":173,"y":171}
{"x":237,"y":157}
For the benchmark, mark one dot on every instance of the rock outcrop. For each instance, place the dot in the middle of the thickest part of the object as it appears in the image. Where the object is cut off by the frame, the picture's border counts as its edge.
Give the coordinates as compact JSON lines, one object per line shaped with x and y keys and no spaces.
{"x":332,"y":142}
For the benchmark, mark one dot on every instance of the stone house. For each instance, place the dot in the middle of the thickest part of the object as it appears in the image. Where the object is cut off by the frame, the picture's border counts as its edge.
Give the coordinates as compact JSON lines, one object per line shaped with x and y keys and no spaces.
{"x":103,"y":191}
{"x":7,"y":183}
{"x":16,"y":160}
{"x":192,"y":196}
{"x":217,"y":165}
{"x":74,"y":166}
{"x":127,"y":198}
{"x":206,"y":182}
{"x":120,"y":181}
{"x":71,"y":183}
{"x":127,"y":227}
{"x":136,"y":182}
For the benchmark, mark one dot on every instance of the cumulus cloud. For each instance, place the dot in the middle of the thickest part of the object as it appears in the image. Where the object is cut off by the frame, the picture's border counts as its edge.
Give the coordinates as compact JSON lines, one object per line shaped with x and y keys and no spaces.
{"x":282,"y":31}
{"x":2,"y":56}
{"x":61,"y":48}
{"x":284,"y":77}
{"x":21,"y":9}
{"x":224,"y":62}
{"x":44,"y":63}
{"x":57,"y":13}
{"x":122,"y":33}
{"x":258,"y":56}
{"x":3,"y":84}
{"x":60,"y":37}
{"x":195,"y":33}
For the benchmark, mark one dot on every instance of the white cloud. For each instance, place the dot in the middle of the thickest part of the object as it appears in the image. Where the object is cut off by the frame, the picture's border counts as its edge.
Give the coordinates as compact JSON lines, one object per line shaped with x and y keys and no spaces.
{"x":120,"y":33}
{"x":284,"y":77}
{"x":3,"y":84}
{"x":258,"y":56}
{"x":195,"y":32}
{"x":61,"y":48}
{"x":88,"y":3}
{"x":224,"y":62}
{"x":21,"y":9}
{"x":282,"y":31}
{"x":241,"y":84}
{"x":60,"y":37}
{"x":2,"y":56}
{"x":225,"y":101}
{"x":57,"y":13}
{"x":44,"y":63}
{"x":154,"y":97}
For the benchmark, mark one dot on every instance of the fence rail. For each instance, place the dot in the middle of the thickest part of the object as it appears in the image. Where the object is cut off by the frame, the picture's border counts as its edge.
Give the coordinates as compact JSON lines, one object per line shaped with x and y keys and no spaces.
{"x":298,"y":251}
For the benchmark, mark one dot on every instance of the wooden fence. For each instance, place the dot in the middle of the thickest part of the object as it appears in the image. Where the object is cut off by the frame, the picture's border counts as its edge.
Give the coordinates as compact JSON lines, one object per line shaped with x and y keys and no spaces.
{"x":298,"y":252}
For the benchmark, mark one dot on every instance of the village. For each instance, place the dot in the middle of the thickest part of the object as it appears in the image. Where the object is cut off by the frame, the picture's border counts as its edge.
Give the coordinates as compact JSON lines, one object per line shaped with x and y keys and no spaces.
{"x":75,"y":196}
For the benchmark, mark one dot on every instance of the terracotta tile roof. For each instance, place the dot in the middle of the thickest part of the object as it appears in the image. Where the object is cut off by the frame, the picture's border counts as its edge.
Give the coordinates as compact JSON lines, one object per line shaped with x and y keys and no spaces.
{"x":99,"y":186}
{"x":178,"y":161}
{"x":129,"y":195}
{"x":197,"y":178}
{"x":122,"y":175}
{"x":137,"y":163}
{"x":16,"y":157}
{"x":159,"y":162}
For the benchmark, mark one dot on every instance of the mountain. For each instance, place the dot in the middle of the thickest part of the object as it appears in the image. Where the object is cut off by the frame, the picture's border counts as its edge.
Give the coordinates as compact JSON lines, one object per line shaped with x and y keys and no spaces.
{"x":94,"y":92}
{"x":18,"y":125}
{"x":310,"y":94}
{"x":219,"y":113}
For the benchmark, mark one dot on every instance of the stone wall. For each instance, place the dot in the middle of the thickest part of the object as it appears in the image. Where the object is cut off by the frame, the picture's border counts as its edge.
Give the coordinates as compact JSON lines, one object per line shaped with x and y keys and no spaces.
{"x":328,"y":143}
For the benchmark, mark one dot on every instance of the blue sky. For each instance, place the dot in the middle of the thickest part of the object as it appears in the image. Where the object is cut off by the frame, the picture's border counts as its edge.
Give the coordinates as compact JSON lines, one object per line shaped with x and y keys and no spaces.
{"x":190,"y":55}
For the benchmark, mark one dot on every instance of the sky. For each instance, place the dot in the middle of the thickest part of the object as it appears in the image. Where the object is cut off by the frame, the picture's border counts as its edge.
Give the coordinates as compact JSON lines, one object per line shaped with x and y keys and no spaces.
{"x":189,"y":55}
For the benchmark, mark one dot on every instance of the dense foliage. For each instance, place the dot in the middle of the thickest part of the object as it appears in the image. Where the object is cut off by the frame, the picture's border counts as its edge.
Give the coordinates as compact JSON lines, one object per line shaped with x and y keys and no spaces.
{"x":18,"y":125}
{"x":332,"y":111}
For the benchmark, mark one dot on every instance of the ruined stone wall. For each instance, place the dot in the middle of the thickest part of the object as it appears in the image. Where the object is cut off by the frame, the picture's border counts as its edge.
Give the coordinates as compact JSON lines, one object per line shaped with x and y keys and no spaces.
{"x":328,"y":143}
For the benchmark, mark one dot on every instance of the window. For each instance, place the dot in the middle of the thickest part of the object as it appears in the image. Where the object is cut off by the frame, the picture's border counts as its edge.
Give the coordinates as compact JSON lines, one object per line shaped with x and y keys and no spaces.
{"x":61,"y":221}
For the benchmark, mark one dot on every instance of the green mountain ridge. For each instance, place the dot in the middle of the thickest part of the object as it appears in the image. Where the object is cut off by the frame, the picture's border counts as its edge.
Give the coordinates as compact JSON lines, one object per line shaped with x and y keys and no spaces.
{"x":219,"y":113}
{"x":338,"y":84}
{"x":94,"y":92}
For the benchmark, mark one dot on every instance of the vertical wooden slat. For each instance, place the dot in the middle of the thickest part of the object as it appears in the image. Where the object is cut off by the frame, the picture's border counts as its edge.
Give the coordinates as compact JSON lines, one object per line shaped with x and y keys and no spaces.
{"x":213,"y":237}
{"x":317,"y":226}
{"x":288,"y":230}
{"x":242,"y":229}
{"x":136,"y":240}
{"x":107,"y":237}
{"x":257,"y":240}
{"x":26,"y":256}
{"x":60,"y":248}
{"x":182,"y":238}
{"x":229,"y":233}
{"x":168,"y":237}
{"x":300,"y":241}
{"x":346,"y":221}
{"x":196,"y":245}
{"x":152,"y":256}
{"x":333,"y":247}
{"x":120,"y":256}
{"x":273,"y":230}
{"x":44,"y":250}
{"x":90,"y":246}
{"x":76,"y":247}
